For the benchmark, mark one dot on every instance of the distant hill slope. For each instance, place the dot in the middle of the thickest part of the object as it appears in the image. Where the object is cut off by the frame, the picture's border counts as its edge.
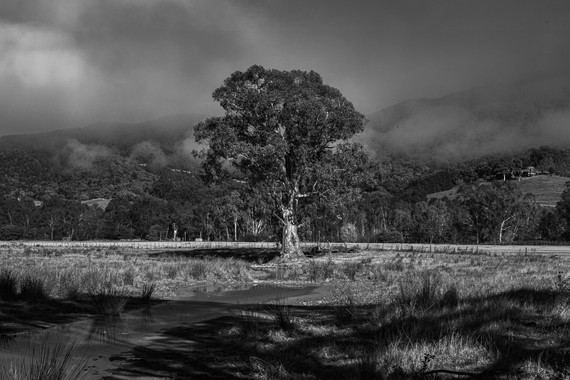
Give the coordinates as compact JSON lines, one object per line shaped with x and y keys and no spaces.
{"x":166,"y":132}
{"x":503,"y":118}
{"x":547,"y":190}
{"x":102,"y":203}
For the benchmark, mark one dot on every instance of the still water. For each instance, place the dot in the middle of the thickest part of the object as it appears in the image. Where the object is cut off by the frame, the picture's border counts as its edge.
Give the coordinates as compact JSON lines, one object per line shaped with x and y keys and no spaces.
{"x":103,"y":341}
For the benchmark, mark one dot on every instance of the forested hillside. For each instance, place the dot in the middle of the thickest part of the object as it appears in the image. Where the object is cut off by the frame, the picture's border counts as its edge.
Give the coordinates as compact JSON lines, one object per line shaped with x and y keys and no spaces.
{"x":150,"y":184}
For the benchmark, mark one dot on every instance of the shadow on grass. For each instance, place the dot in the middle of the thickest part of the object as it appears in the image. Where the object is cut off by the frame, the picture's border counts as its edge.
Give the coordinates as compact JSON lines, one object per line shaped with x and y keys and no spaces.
{"x":517,"y":327}
{"x":255,"y":255}
{"x":19,"y":316}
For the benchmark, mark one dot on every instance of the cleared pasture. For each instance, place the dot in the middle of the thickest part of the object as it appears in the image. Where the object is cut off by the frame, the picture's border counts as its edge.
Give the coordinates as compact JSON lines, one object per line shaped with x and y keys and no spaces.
{"x":416,"y":311}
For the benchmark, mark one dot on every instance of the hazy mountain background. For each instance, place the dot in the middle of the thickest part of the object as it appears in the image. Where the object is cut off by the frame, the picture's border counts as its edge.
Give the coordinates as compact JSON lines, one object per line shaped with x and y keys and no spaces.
{"x":413,"y":140}
{"x":503,"y":118}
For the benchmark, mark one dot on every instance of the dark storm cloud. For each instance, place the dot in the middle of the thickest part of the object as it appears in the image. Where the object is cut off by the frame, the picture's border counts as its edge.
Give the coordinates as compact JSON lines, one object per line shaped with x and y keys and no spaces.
{"x":66,"y":63}
{"x":114,"y":60}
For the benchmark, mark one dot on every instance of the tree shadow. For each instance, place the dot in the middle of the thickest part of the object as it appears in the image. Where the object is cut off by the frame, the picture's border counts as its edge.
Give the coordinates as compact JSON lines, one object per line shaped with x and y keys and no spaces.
{"x":19,"y":316}
{"x":255,"y":255}
{"x":517,"y":326}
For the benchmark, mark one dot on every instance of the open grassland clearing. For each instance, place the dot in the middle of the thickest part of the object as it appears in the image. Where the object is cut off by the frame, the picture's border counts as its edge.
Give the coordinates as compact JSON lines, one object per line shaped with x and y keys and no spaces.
{"x":389,"y":315}
{"x":547,"y":189}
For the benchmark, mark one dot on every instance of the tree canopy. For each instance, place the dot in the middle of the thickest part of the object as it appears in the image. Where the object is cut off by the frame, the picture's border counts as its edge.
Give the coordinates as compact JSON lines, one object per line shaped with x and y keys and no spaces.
{"x":278,"y":128}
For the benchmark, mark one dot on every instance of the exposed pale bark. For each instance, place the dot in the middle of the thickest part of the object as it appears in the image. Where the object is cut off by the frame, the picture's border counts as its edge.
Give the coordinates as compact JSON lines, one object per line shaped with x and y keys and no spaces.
{"x":291,"y":249}
{"x":502,"y":228}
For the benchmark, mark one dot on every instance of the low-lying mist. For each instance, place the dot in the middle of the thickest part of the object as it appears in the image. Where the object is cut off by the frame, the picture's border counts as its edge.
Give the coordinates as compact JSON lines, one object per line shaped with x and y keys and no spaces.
{"x":475,"y":123}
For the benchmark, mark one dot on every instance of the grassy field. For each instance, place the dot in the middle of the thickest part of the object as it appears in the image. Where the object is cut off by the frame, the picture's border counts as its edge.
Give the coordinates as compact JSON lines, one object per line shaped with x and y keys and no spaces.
{"x":390,"y":315}
{"x":546,"y":189}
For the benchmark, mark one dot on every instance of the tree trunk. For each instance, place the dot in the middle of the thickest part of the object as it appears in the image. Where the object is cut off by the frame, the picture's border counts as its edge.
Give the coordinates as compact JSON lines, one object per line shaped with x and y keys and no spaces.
{"x":291,"y":248}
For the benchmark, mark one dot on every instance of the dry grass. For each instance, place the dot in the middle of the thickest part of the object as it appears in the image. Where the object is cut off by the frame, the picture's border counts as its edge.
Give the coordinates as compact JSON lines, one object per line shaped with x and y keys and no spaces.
{"x":67,"y":274}
{"x":389,"y":315}
{"x":421,"y":315}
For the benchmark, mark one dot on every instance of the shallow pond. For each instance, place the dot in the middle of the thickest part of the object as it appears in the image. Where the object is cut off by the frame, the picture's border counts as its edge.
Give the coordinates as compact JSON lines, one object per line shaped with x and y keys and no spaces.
{"x":105,"y":342}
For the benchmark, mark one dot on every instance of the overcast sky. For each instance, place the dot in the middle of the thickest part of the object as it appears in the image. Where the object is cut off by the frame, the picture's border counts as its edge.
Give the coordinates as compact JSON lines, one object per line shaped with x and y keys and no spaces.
{"x":68,"y":63}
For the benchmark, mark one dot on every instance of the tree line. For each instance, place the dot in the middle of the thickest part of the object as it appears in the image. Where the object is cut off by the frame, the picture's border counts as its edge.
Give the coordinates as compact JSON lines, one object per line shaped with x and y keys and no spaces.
{"x":480,"y":212}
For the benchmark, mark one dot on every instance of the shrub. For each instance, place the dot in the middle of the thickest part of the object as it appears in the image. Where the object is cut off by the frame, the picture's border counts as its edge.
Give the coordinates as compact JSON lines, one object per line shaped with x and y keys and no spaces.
{"x":8,"y":286}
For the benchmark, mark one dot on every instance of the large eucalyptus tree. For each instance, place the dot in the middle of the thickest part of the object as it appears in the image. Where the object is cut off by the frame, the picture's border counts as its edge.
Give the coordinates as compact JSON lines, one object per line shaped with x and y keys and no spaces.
{"x":278,"y":128}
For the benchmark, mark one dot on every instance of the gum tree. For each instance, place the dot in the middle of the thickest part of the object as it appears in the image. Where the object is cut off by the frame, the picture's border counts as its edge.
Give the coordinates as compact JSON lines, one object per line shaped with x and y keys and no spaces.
{"x":278,"y":127}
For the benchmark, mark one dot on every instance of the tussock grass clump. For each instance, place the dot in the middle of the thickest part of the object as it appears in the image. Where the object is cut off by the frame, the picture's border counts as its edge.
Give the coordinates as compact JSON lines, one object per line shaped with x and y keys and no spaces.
{"x":275,"y":370}
{"x":319,"y":270}
{"x":197,"y":269}
{"x":68,"y":284}
{"x":282,"y":315}
{"x":47,"y":359}
{"x":367,"y":366}
{"x":32,"y":289}
{"x":426,"y":289}
{"x":395,"y":265}
{"x":451,"y":352}
{"x":171,"y":271}
{"x":247,"y":323}
{"x":129,"y":276}
{"x":8,"y":286}
{"x":109,"y":302}
{"x":351,"y":269}
{"x":147,"y":292}
{"x":345,"y":303}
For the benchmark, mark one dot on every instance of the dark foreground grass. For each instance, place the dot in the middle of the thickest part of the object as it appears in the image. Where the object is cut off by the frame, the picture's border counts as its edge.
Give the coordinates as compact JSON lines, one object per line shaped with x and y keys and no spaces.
{"x":47,"y":358}
{"x":8,"y":286}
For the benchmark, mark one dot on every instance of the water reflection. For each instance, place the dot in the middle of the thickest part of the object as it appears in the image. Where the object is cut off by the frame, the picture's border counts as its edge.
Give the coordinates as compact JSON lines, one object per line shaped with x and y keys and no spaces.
{"x":6,"y":340}
{"x":108,"y":329}
{"x":148,"y":317}
{"x":104,"y":337}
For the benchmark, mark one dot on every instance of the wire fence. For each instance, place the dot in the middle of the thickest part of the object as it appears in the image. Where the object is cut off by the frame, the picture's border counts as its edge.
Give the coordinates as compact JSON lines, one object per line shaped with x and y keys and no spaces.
{"x":399,"y":247}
